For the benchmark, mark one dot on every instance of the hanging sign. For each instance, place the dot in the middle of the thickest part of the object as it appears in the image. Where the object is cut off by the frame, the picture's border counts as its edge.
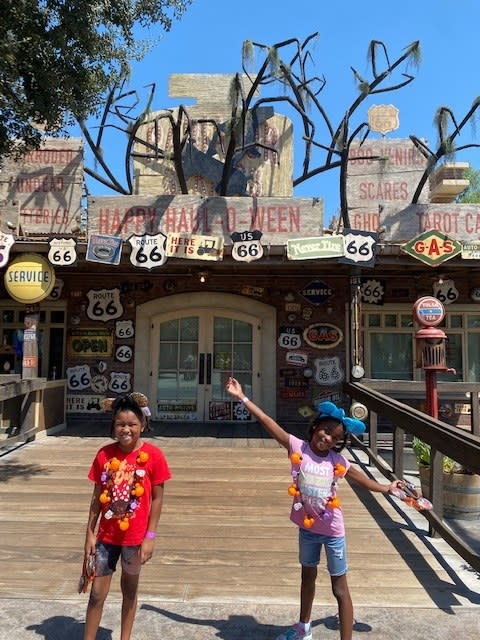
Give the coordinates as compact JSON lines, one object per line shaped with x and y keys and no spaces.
{"x":246,"y":246}
{"x":6,"y":243}
{"x":29,"y":278}
{"x":359,"y":247}
{"x":183,"y":245}
{"x":148,"y":251}
{"x":62,"y":252}
{"x":104,"y":249}
{"x":432,"y":247}
{"x":315,"y":248}
{"x":104,"y":304}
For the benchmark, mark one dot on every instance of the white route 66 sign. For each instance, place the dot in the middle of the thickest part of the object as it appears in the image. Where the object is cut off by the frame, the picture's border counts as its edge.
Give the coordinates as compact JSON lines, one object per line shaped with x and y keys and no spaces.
{"x":104,"y":304}
{"x":78,"y":378}
{"x":119,"y":382}
{"x":62,"y":252}
{"x":246,"y":246}
{"x":56,"y":292}
{"x":124,"y":353}
{"x":328,"y":371}
{"x":359,"y":246}
{"x":6,"y":242}
{"x":124,"y":329}
{"x":148,"y":251}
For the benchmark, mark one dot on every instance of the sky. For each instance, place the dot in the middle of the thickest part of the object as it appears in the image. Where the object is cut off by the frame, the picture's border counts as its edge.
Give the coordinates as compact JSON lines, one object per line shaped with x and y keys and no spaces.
{"x":209,"y":38}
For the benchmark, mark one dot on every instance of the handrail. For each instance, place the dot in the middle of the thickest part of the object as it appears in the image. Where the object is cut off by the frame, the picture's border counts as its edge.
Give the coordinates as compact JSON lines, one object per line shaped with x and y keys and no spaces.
{"x":444,"y":439}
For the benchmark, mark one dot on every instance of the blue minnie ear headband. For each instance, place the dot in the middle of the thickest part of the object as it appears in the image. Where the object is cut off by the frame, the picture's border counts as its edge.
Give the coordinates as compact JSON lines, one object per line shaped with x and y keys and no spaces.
{"x":329,"y":410}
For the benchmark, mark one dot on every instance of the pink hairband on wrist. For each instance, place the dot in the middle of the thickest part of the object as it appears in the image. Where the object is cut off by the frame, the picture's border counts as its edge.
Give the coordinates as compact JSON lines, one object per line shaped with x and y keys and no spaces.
{"x":150,"y":535}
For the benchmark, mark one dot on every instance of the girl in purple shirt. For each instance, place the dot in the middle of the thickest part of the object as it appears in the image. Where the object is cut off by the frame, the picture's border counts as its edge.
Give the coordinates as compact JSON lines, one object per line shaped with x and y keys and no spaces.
{"x":316,"y":467}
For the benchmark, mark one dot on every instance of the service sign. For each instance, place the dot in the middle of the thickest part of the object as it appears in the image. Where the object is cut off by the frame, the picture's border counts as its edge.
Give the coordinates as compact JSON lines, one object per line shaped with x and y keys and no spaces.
{"x":148,"y":251}
{"x":432,"y":247}
{"x":317,"y":292}
{"x":29,"y":278}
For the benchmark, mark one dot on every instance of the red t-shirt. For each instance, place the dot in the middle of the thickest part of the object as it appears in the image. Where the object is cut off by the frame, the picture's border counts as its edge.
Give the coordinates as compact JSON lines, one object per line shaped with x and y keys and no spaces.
{"x":118,"y":485}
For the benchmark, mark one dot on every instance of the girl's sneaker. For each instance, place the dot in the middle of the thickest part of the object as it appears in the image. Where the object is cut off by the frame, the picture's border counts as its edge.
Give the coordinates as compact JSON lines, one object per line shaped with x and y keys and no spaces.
{"x":296,"y":633}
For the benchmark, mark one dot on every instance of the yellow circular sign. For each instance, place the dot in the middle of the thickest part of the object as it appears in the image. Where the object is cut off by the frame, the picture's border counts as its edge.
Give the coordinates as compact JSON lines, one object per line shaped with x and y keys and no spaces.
{"x":29,"y":278}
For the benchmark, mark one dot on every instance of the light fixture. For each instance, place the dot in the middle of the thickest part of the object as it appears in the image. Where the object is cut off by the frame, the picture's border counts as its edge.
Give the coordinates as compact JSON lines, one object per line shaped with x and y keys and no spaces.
{"x":202,"y":276}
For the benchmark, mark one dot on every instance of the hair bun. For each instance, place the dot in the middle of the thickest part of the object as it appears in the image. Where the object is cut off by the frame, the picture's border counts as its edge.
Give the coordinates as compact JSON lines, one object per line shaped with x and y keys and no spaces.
{"x":140,"y":398}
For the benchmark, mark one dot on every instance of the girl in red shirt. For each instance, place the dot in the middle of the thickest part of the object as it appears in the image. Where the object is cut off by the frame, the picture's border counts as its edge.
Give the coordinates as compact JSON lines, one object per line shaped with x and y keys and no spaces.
{"x":129,"y":477}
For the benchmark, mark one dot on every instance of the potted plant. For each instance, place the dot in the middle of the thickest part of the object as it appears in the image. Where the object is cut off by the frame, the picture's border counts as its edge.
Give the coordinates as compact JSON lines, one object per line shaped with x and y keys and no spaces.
{"x":461,"y":487}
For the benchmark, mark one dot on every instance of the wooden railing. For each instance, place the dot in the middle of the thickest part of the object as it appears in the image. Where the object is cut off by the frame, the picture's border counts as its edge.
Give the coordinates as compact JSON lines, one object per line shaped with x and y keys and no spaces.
{"x":28,"y":406}
{"x":460,"y":444}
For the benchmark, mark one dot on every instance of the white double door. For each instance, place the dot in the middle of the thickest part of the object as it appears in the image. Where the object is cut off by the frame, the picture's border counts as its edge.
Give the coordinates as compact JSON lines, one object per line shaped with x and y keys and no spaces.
{"x":194,"y":352}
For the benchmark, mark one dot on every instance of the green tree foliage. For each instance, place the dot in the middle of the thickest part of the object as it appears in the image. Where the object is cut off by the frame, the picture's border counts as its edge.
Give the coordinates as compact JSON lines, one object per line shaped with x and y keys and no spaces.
{"x":59,"y":57}
{"x":471,"y":195}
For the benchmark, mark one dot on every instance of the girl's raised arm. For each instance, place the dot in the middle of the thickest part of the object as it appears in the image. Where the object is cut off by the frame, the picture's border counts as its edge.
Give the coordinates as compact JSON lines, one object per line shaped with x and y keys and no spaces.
{"x":234,"y":388}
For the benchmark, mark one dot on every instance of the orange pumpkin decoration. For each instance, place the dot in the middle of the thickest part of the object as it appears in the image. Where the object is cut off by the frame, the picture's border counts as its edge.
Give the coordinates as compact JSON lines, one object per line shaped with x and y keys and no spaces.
{"x":114,"y":464}
{"x":293,"y":490}
{"x":123,"y":524}
{"x":142,"y":457}
{"x":138,"y":490}
{"x":334,"y":503}
{"x":104,"y":497}
{"x":340,"y":470}
{"x":296,"y":458}
{"x":308,"y":522}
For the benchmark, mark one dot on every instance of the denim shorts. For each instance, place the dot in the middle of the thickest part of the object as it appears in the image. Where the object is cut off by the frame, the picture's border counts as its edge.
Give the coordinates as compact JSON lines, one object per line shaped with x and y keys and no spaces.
{"x":107,"y":555}
{"x":310,"y":545}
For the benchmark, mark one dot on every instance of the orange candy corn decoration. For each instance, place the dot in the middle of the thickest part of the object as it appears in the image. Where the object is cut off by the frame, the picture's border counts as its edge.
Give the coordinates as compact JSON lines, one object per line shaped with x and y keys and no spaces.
{"x":334,"y":503}
{"x":296,"y":458}
{"x":340,"y":470}
{"x":142,"y":457}
{"x":308,"y":522}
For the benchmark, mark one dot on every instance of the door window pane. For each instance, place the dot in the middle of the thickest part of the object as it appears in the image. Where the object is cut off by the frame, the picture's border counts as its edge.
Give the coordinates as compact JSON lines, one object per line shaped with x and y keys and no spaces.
{"x":391,"y":356}
{"x":473,"y":351}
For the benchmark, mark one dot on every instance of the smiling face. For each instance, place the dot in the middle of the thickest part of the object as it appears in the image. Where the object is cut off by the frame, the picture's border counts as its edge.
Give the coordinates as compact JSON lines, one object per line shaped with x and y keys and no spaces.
{"x":326,"y":435}
{"x":127,"y":428}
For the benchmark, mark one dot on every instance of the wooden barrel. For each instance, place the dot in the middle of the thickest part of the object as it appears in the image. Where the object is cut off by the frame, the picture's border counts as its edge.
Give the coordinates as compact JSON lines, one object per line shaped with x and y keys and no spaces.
{"x":461,"y":494}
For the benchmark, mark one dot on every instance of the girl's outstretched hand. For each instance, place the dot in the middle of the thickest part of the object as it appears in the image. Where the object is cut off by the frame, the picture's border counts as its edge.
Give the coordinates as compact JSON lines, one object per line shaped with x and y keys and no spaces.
{"x":234,"y":388}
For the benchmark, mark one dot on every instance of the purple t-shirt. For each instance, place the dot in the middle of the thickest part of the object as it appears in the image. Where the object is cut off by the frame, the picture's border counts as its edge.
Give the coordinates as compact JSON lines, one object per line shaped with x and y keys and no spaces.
{"x":315,"y":478}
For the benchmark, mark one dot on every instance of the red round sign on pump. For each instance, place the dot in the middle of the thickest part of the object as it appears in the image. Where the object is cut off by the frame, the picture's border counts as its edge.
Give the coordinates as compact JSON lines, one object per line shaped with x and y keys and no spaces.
{"x":428,"y":311}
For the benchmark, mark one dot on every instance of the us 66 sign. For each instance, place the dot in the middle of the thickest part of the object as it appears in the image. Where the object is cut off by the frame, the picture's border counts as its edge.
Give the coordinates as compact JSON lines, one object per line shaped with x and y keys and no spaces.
{"x":246,"y":246}
{"x":290,"y":337}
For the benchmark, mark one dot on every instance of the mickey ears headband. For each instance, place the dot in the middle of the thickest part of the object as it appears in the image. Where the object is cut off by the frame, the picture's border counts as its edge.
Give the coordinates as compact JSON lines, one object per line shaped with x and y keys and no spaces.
{"x":140,"y":398}
{"x":330,"y":410}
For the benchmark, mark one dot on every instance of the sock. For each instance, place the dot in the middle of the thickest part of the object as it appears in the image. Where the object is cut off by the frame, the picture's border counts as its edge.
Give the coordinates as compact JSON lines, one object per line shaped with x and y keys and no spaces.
{"x":305,"y":626}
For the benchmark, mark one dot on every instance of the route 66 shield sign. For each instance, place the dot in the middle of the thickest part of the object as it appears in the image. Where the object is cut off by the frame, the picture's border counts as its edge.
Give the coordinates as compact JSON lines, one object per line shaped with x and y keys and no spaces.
{"x":246,"y":246}
{"x":148,"y":251}
{"x":6,"y":242}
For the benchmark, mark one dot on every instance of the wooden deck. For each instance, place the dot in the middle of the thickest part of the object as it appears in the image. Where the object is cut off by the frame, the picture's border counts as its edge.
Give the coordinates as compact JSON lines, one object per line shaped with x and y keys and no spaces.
{"x":224,"y":533}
